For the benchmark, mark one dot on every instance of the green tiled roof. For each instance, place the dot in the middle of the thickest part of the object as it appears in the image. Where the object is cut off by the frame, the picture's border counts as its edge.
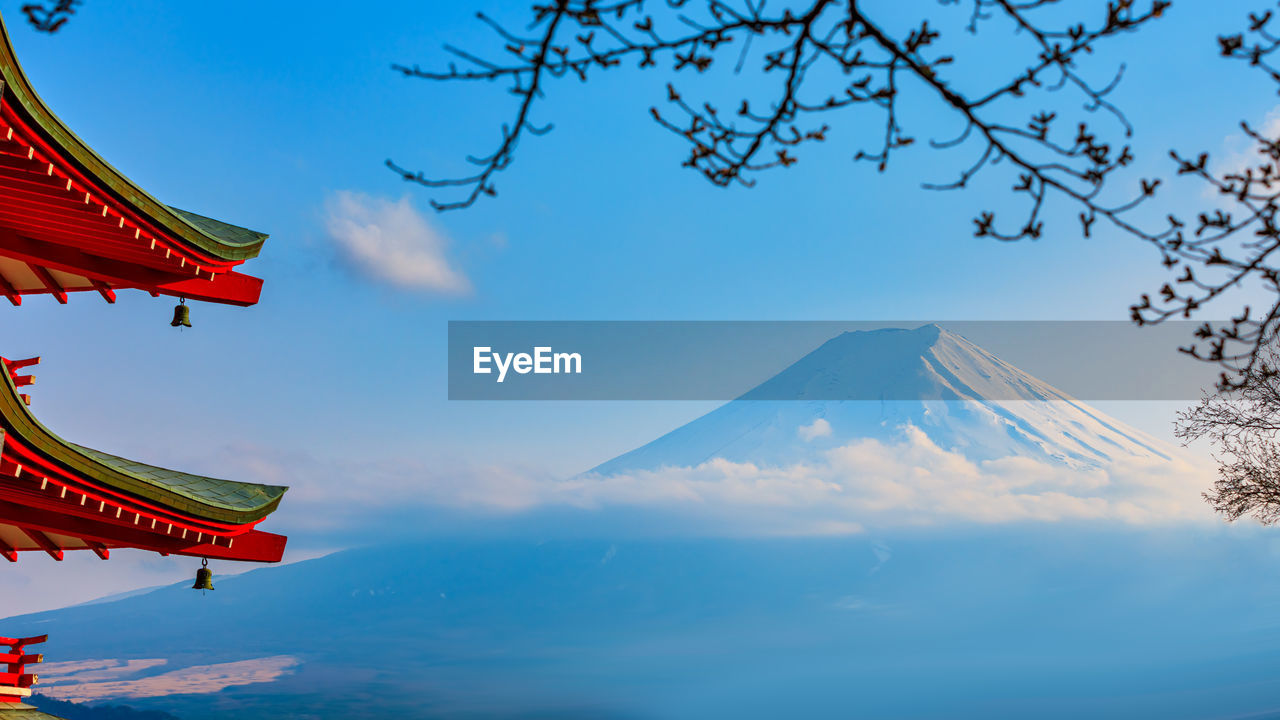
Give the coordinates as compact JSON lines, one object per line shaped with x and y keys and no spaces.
{"x":223,"y":493}
{"x":21,"y":711}
{"x":203,"y":497}
{"x":224,"y":241}
{"x":230,"y":234}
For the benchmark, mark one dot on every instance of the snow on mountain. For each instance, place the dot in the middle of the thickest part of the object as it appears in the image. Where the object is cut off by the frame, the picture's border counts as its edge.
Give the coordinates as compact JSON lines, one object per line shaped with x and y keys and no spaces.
{"x":904,"y":426}
{"x":962,"y":398}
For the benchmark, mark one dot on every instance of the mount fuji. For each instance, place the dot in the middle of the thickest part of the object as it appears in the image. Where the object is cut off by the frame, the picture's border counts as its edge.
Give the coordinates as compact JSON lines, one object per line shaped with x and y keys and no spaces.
{"x":873,"y":385}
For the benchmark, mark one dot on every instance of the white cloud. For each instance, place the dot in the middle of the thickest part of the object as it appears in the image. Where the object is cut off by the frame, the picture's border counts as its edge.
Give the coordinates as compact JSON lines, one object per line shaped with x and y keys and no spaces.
{"x":393,"y":242}
{"x":910,"y":481}
{"x":816,"y":429}
{"x":907,"y":480}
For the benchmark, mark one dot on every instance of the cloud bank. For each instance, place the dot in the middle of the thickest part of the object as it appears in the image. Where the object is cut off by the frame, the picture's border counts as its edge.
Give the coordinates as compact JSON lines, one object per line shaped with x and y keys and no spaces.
{"x":906,"y":481}
{"x":911,"y":481}
{"x":392,"y":242}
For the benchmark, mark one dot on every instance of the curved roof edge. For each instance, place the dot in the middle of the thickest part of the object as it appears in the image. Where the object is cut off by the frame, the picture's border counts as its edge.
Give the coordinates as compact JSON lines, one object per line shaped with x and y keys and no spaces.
{"x":225,"y":241}
{"x":224,"y":501}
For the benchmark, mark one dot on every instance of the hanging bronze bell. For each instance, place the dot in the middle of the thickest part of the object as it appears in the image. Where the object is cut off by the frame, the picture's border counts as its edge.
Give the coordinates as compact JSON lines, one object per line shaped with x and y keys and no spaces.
{"x":181,"y":315}
{"x":204,"y":577}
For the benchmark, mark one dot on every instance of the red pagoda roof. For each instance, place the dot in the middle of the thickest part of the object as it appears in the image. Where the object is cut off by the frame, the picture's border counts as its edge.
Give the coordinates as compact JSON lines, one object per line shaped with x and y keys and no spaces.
{"x":71,"y":222}
{"x":57,"y":496}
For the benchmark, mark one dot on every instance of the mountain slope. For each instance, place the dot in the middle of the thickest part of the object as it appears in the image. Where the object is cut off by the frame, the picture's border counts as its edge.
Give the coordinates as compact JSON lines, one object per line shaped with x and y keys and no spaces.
{"x":871,"y":384}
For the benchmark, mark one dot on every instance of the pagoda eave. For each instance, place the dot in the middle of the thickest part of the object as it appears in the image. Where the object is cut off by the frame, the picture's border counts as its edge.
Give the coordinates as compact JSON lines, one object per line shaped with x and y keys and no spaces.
{"x":24,"y":528}
{"x":22,"y":258}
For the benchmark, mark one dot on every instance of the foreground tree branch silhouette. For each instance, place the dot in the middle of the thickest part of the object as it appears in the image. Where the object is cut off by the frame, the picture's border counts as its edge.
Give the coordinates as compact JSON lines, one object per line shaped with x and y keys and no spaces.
{"x":824,"y":58}
{"x":1242,"y":424}
{"x":49,"y":16}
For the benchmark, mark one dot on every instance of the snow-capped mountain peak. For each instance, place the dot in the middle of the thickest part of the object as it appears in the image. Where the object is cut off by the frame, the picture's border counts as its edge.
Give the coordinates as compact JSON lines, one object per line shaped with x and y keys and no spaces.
{"x":876,"y":384}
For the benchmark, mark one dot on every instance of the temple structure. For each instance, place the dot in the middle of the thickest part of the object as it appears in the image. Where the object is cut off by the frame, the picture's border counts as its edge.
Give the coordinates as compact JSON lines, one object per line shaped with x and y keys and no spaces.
{"x":70,"y":222}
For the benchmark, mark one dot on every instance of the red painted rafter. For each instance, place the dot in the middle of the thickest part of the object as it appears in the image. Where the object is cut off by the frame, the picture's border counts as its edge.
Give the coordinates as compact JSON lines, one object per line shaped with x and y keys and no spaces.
{"x":230,"y":288}
{"x":26,"y":165}
{"x":44,"y":202}
{"x":31,"y":223}
{"x":22,"y":680}
{"x":38,"y":197}
{"x":43,"y":542}
{"x":47,"y":485}
{"x":19,"y":642}
{"x":70,"y":216}
{"x":10,"y":291}
{"x":99,"y":549}
{"x":104,"y":290}
{"x":44,"y":151}
{"x":36,"y":489}
{"x":10,"y":552}
{"x":49,"y":282}
{"x":252,"y":546}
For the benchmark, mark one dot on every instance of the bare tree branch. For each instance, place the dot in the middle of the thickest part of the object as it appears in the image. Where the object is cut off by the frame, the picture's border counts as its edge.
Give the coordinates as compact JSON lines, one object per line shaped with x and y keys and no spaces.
{"x":826,"y":39}
{"x":50,"y":16}
{"x":1242,"y":424}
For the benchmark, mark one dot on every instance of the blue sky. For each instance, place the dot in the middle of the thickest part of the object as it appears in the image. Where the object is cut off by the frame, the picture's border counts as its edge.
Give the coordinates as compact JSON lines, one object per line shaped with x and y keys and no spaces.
{"x":261,"y":115}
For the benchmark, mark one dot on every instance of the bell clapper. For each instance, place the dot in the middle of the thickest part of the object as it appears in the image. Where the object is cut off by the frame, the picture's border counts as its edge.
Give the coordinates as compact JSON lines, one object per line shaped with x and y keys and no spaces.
{"x":204,"y":577}
{"x":181,"y":314}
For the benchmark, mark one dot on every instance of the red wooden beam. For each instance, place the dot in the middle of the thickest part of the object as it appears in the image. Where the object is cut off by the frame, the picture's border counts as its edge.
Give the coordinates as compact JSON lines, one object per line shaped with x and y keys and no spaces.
{"x":19,"y":364}
{"x":228,"y":287}
{"x":20,"y":659}
{"x":50,"y":284}
{"x":75,"y":238}
{"x":25,"y":165}
{"x":10,"y":146}
{"x":86,"y":182}
{"x":10,"y":553}
{"x":104,"y":290}
{"x":76,"y":252}
{"x":9,"y":290}
{"x":43,"y":541}
{"x":33,"y":181}
{"x":100,"y":550}
{"x":19,"y":642}
{"x":106,"y":239}
{"x":251,"y":546}
{"x":56,"y":202}
{"x":14,"y":679}
{"x":231,"y":288}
